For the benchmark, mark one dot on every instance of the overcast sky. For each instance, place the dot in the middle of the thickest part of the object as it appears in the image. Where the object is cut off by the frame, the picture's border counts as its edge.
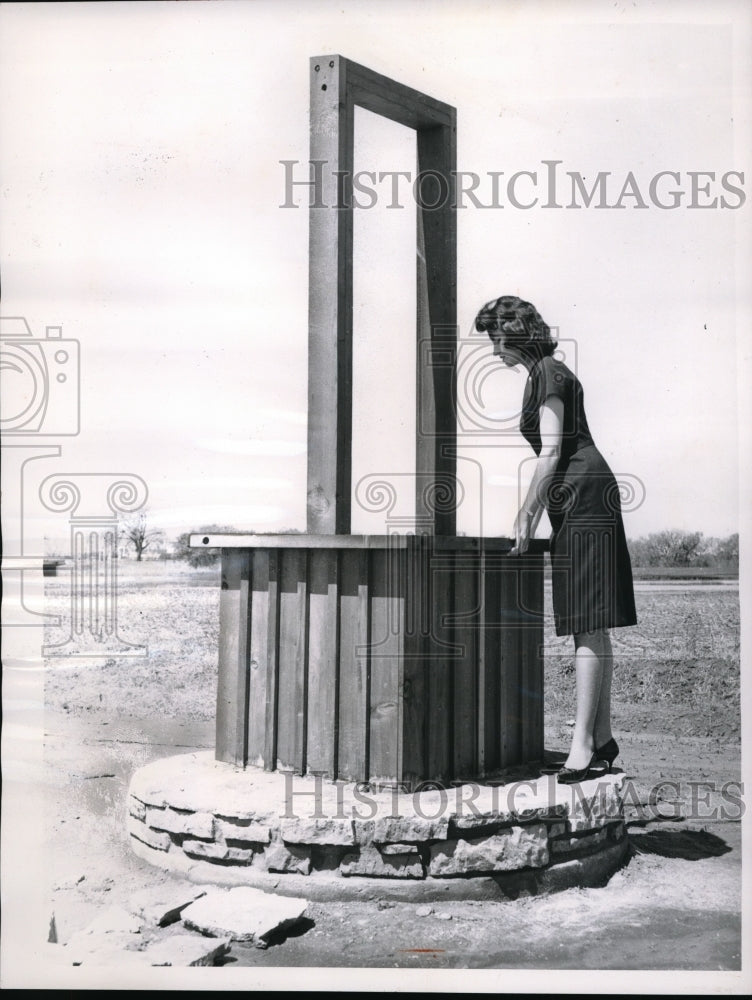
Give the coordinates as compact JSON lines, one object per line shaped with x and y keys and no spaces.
{"x":141,"y":193}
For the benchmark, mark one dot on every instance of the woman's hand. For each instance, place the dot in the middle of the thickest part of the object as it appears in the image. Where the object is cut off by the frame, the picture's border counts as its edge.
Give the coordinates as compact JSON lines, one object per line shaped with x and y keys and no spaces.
{"x":523,"y":528}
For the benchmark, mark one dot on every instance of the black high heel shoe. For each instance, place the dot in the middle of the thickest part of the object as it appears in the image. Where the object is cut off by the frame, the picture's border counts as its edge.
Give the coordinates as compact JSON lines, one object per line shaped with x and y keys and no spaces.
{"x":571,"y":775}
{"x":608,"y":752}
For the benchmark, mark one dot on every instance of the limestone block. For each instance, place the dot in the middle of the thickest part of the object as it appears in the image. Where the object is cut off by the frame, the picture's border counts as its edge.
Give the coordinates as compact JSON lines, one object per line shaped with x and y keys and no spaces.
{"x":161,"y":905}
{"x":565,"y":845}
{"x":468,"y":821}
{"x":537,"y":813}
{"x":402,"y":829}
{"x":187,"y":950}
{"x":399,"y":849}
{"x":279,"y":858}
{"x":244,"y":833}
{"x":217,"y":852}
{"x":318,"y":831}
{"x":243,"y":914}
{"x":190,"y":824}
{"x":598,"y":803}
{"x":136,"y":809}
{"x":149,"y":796}
{"x":517,"y":847}
{"x":370,"y":862}
{"x":139,"y":830}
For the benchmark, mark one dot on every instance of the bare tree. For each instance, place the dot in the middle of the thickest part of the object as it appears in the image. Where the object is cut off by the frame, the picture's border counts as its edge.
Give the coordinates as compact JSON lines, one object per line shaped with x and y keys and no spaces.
{"x":135,"y":529}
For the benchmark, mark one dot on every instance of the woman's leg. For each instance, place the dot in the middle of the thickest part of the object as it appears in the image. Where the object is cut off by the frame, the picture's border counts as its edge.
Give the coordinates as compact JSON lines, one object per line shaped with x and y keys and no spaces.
{"x":589,"y":674}
{"x":602,"y":728}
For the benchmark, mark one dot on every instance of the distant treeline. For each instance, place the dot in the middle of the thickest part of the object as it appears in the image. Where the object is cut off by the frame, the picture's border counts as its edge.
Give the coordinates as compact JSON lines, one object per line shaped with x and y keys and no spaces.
{"x":686,"y":548}
{"x":661,"y":549}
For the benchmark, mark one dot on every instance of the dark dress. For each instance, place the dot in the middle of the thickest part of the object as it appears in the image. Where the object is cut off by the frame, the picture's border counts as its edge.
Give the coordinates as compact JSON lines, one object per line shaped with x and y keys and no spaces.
{"x":590,"y":564}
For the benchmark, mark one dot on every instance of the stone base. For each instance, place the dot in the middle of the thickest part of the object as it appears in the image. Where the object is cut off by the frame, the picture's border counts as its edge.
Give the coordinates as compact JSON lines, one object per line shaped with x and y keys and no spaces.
{"x":307,"y":836}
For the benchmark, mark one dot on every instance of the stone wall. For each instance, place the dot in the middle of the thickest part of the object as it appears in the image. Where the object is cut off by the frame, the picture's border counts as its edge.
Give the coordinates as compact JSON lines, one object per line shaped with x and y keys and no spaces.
{"x":193,"y":813}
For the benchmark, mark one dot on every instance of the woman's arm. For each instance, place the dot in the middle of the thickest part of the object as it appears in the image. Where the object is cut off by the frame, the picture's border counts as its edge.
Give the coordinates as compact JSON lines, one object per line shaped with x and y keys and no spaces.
{"x":551,"y":425}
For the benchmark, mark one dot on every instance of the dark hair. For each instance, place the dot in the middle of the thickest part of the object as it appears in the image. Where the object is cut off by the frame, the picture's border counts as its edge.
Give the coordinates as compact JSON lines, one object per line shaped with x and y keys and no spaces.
{"x":519,"y":325}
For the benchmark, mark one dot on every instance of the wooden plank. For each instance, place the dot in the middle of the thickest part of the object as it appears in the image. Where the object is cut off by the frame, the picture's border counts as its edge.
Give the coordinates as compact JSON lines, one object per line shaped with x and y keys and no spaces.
{"x":531,"y":584}
{"x":272,"y":668}
{"x":263,"y":660}
{"x":232,"y":678}
{"x":385,"y":648}
{"x":436,"y":373}
{"x":293,"y":629}
{"x":452,"y":543}
{"x":465,"y":667}
{"x":393,"y":100}
{"x":352,"y":749}
{"x":323,"y":649}
{"x":330,"y":304}
{"x":489,"y":667}
{"x":511,"y":649}
{"x":439,"y":648}
{"x":413,"y":563}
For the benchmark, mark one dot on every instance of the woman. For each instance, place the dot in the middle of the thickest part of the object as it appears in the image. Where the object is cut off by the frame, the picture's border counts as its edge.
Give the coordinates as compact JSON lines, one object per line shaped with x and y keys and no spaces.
{"x":591,"y":569}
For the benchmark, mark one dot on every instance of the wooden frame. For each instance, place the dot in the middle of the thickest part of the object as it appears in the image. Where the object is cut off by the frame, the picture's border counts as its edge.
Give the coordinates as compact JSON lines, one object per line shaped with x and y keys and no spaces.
{"x":398,"y":658}
{"x":337,"y":86}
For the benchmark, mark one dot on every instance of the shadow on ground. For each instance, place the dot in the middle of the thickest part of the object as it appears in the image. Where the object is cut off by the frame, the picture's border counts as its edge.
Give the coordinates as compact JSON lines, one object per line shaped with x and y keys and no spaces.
{"x":689,"y":845}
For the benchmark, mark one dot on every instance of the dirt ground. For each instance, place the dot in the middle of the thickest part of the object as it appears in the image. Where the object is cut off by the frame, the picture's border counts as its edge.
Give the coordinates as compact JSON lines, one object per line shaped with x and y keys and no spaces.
{"x":675,"y":905}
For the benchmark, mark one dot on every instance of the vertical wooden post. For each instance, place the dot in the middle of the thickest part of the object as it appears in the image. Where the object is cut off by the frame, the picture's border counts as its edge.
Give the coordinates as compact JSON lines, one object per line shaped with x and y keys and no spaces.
{"x":234,"y":657}
{"x":293,"y":661}
{"x":323,"y":657}
{"x":337,"y":85}
{"x":262,"y":713}
{"x":436,"y":423}
{"x":330,"y":299}
{"x":354,"y":664}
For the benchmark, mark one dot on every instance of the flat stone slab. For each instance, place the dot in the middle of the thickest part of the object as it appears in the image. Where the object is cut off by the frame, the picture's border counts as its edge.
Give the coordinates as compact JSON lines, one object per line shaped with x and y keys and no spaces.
{"x":187,"y":950}
{"x":87,"y":946}
{"x":243,"y":914}
{"x":162,"y":905}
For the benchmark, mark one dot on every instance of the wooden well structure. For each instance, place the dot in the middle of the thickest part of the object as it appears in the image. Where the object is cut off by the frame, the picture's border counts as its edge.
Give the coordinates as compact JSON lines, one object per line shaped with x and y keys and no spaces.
{"x":400,"y":658}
